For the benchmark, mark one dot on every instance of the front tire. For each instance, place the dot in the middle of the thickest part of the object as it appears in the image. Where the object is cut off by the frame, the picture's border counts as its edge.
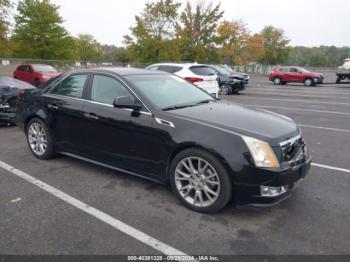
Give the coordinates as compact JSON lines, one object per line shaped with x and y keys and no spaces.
{"x":39,"y":139}
{"x":309,"y":82}
{"x":200,"y":181}
{"x":225,"y":89}
{"x":277,"y":81}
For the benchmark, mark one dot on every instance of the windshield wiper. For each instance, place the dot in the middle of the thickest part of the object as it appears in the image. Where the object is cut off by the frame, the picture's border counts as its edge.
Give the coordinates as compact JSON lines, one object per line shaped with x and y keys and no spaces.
{"x":177,"y":107}
{"x":188,"y":105}
{"x":205,"y":101}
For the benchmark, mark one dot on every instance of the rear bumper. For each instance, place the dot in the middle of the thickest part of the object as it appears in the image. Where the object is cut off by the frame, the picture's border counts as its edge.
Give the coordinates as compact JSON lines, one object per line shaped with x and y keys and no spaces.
{"x":289,"y":178}
{"x":8,"y":117}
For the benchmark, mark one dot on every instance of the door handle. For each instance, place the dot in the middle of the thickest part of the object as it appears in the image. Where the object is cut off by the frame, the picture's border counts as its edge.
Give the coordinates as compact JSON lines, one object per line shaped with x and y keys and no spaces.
{"x":91,"y":116}
{"x":51,"y":106}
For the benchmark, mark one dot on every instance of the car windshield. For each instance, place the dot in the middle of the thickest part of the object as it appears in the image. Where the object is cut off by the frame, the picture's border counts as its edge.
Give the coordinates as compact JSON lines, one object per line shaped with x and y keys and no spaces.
{"x":227,"y":68}
{"x":169,"y":92}
{"x":303,"y":70}
{"x":44,"y":68}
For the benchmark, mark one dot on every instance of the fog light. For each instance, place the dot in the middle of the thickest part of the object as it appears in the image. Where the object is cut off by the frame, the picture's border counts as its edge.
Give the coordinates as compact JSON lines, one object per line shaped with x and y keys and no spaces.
{"x":267,"y":191}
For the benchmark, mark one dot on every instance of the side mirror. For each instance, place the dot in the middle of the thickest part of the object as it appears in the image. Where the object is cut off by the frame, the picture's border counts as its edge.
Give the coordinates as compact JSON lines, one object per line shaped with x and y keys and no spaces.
{"x":127,"y":102}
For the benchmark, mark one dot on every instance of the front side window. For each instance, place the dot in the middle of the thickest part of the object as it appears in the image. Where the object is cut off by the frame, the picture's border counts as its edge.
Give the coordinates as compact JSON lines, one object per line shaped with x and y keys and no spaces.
{"x":106,"y":89}
{"x":72,"y":86}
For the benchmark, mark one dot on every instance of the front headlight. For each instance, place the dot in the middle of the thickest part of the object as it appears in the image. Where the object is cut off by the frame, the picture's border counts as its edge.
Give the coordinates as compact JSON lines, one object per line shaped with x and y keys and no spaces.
{"x":261,"y":152}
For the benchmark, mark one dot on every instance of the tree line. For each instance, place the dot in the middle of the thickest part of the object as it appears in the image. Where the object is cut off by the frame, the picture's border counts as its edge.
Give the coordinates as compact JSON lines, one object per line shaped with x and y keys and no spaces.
{"x":164,"y":31}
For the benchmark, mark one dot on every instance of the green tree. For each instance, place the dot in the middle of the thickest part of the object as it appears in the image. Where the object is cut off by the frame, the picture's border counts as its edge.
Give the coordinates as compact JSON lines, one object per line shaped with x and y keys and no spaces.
{"x":276,"y":46}
{"x":233,"y":38}
{"x":39,"y":32}
{"x":88,"y":49}
{"x":197,"y":32}
{"x":152,"y":38}
{"x":5,"y":49}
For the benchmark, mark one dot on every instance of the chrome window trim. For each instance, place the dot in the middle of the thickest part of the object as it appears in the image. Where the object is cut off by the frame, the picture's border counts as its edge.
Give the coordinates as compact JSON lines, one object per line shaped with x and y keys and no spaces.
{"x":94,"y":102}
{"x":48,"y":92}
{"x":125,"y":84}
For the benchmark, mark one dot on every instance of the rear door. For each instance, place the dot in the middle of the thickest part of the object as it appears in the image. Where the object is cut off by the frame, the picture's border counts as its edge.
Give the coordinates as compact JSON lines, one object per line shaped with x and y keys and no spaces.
{"x":64,"y":104}
{"x":209,"y":78}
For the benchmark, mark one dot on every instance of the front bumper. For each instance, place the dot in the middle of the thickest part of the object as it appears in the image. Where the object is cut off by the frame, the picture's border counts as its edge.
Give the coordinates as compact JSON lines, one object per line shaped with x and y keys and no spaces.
{"x":250,"y":193}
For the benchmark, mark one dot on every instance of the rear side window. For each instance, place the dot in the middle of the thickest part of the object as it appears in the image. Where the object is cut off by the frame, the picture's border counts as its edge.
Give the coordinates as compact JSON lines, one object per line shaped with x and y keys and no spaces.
{"x":105,"y":89}
{"x":72,"y":86}
{"x":202,"y":70}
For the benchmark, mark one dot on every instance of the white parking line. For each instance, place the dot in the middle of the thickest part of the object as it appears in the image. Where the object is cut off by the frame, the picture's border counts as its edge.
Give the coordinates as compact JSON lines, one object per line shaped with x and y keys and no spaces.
{"x":297,"y":90}
{"x":297,"y":95}
{"x":296,"y":100}
{"x":117,"y":224}
{"x":326,"y":128}
{"x":331,"y":168}
{"x":299,"y":109}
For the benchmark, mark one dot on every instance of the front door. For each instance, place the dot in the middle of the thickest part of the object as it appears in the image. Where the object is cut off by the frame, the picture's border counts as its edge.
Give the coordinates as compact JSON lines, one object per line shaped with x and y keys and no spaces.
{"x":118,"y":137}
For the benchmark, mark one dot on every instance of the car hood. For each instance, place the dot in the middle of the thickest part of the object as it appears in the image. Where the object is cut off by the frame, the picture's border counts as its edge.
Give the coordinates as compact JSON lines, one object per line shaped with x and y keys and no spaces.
{"x":270,"y":127}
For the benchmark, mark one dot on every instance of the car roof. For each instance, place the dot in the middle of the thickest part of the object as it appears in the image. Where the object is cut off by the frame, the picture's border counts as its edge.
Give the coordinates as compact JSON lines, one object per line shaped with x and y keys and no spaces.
{"x":124,"y":71}
{"x":178,"y":64}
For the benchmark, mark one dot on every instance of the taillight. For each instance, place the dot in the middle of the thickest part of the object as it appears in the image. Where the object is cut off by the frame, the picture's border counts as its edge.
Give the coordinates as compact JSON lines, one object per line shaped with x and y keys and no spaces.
{"x":19,"y":95}
{"x":194,"y":79}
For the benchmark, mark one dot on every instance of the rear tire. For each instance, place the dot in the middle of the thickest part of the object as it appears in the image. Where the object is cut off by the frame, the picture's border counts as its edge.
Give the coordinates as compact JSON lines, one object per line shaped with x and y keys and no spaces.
{"x":39,"y":139}
{"x":200,"y":181}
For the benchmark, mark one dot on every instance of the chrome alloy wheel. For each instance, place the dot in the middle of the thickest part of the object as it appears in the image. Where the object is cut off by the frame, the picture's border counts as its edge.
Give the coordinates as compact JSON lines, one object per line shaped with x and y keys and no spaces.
{"x":37,"y":138}
{"x":197,"y":182}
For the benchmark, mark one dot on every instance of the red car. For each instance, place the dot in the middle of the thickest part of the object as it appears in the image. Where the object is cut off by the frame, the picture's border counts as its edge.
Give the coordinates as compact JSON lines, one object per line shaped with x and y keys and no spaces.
{"x":35,"y":74}
{"x":282,"y":75}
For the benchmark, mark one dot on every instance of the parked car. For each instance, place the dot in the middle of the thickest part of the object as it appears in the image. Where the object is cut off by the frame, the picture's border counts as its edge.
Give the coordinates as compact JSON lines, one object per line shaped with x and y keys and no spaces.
{"x":228,"y":84}
{"x":343,"y":72}
{"x":10,"y":89}
{"x":235,"y":74}
{"x":197,"y":74}
{"x":158,"y":126}
{"x":35,"y":74}
{"x":282,"y":75}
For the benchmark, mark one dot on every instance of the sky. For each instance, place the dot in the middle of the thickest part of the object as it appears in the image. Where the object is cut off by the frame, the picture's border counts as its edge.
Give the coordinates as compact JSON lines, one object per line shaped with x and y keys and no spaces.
{"x":305,"y":22}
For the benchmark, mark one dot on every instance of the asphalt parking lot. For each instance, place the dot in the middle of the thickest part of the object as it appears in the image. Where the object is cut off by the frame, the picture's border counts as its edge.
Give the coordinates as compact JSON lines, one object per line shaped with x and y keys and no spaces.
{"x":315,"y":220}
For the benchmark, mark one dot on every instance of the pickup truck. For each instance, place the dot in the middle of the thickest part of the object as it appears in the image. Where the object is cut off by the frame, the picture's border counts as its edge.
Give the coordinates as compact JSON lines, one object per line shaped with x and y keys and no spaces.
{"x":344,"y":71}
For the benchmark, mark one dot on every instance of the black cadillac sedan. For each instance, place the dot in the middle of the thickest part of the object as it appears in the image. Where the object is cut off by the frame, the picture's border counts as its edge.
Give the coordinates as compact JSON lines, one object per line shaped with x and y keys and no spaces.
{"x":160,"y":127}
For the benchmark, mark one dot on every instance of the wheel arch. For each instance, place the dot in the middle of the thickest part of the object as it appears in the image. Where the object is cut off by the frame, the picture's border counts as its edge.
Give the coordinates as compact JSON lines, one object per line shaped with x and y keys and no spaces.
{"x":185,"y":146}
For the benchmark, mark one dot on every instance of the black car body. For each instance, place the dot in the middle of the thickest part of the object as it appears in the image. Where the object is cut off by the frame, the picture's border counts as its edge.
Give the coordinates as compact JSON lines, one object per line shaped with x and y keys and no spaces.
{"x":228,"y":84}
{"x":9,"y":90}
{"x":141,"y":138}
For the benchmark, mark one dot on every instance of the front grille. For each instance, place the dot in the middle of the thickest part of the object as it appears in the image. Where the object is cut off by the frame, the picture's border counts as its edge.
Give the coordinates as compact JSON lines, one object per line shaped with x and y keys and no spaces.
{"x":293,"y":149}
